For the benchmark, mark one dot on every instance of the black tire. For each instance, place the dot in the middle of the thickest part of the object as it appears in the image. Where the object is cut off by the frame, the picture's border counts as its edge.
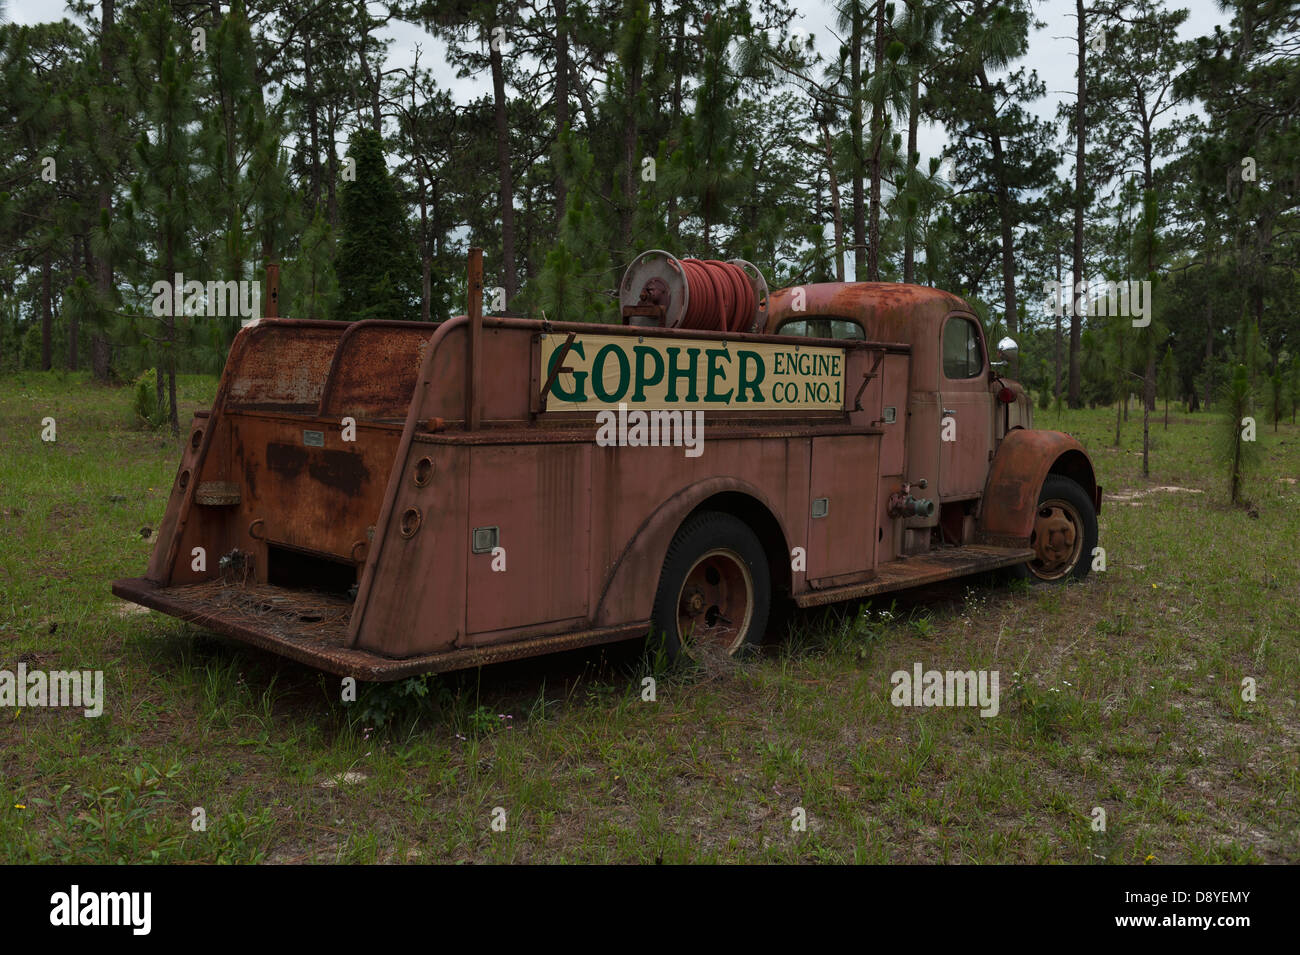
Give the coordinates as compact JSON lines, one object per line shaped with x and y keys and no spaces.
{"x":1061,"y":501}
{"x":723,"y":563}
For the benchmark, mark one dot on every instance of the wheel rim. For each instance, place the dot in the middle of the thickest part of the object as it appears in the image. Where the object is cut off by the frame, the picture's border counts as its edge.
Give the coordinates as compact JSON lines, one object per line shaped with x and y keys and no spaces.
{"x":1057,"y":540}
{"x":715,"y":603}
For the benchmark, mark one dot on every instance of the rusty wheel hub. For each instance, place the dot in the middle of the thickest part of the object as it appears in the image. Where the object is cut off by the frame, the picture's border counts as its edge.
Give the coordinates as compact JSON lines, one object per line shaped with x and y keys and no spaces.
{"x":716,"y":603}
{"x":1056,"y":540}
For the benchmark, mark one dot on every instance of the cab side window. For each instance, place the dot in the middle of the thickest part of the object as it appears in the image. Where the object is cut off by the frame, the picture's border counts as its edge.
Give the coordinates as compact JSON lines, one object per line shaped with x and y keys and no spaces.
{"x":962,"y":355}
{"x":823,"y":326}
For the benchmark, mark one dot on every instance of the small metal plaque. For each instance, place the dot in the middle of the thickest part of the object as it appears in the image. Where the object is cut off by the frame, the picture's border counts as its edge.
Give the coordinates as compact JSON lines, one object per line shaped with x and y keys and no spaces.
{"x":314,"y":439}
{"x":891,"y":414}
{"x":821,"y":507}
{"x":485,"y":539}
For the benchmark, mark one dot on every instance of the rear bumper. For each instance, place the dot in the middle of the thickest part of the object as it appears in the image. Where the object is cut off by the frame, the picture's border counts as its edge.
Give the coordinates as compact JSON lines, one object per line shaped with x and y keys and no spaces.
{"x":313,"y":629}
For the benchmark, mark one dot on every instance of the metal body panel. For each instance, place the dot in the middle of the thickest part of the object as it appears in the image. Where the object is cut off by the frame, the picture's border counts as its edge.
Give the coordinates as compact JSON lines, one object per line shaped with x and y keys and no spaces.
{"x":539,"y":499}
{"x":839,"y":541}
{"x":319,"y":499}
{"x":969,"y":402}
{"x":1024,"y":458}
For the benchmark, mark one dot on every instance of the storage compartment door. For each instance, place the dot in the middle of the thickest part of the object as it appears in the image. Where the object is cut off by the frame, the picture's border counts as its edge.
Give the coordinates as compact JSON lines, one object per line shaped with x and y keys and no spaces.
{"x":534,"y":503}
{"x":842,"y":494}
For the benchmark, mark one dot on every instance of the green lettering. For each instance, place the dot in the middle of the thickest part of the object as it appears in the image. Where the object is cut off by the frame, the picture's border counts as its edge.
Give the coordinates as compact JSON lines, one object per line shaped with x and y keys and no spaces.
{"x":711,"y":394}
{"x":579,"y":392}
{"x":688,"y":373}
{"x":598,"y":374}
{"x":642,"y":379}
{"x":747,"y":383}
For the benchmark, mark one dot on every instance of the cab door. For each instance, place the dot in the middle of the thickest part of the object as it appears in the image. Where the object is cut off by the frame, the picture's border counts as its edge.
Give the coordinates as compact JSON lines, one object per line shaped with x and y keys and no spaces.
{"x":966,"y":409}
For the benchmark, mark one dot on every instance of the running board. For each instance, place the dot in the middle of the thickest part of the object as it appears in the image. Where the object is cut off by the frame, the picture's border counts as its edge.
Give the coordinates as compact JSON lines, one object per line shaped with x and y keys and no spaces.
{"x":922,"y":569}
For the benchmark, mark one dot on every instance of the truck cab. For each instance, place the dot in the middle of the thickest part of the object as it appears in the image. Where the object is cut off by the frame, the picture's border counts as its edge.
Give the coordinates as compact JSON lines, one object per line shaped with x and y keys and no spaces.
{"x":960,"y":410}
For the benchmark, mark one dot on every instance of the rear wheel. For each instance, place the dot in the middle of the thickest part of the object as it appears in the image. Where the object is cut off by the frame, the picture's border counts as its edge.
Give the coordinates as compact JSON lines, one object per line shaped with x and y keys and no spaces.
{"x":1064,"y":533}
{"x":714,"y":595}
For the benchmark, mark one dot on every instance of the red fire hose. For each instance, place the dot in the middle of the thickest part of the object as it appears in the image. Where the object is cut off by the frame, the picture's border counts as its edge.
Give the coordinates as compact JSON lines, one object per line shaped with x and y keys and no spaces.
{"x":700,"y":294}
{"x":721,"y":298}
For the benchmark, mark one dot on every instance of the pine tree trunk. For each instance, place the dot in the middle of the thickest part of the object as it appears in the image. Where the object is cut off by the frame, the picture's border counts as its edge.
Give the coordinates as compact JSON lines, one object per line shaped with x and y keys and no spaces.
{"x":561,"y":101}
{"x":1236,"y":466}
{"x":99,"y":357}
{"x":73,"y":324}
{"x":837,"y":215}
{"x":331,"y":180}
{"x":1209,"y":348}
{"x":1146,"y":440}
{"x":170,"y":348}
{"x":913,"y":120}
{"x":1079,"y":159}
{"x":47,"y":315}
{"x":1056,"y":393}
{"x":426,"y":264}
{"x":313,"y":120}
{"x":855,"y":132}
{"x":630,"y":165}
{"x":674,"y":216}
{"x":1006,"y":214}
{"x":877,"y":144}
{"x":507,"y":187}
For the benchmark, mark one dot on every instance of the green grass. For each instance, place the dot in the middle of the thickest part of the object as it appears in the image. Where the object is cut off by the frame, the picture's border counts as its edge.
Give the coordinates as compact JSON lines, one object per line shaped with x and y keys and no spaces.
{"x":1122,"y":693}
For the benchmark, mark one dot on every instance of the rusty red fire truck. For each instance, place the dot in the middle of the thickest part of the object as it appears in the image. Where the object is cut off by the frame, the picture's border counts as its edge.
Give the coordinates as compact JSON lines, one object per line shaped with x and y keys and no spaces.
{"x":385,"y":498}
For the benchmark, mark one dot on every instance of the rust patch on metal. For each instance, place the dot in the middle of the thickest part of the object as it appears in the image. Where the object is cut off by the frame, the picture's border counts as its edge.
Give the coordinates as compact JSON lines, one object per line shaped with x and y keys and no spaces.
{"x":338,"y":469}
{"x":1023,"y":460}
{"x":1053,"y":536}
{"x":217,"y":493}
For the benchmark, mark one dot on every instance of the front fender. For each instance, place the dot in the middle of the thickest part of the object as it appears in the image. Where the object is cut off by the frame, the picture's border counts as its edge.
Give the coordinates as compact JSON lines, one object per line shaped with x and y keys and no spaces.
{"x":1023,"y":460}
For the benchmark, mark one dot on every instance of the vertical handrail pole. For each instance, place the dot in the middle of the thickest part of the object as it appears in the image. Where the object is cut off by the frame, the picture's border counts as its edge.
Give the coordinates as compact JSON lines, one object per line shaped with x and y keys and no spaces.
{"x":272,"y":307}
{"x":475,"y":312}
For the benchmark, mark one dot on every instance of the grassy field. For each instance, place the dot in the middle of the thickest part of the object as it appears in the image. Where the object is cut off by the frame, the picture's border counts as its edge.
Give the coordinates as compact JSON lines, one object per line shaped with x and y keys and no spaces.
{"x":1124,"y":693}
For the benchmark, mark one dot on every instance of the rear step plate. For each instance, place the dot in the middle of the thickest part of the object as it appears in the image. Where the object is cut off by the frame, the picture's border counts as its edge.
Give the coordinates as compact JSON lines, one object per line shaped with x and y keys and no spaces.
{"x":313,"y":628}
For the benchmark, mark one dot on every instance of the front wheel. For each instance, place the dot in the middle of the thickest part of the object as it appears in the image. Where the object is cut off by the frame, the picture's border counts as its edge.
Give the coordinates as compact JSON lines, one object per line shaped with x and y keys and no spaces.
{"x":1064,"y":533}
{"x":714,"y":594}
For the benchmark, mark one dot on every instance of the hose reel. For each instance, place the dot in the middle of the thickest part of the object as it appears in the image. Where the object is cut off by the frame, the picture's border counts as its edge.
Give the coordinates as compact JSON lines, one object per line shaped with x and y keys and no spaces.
{"x":661,"y":290}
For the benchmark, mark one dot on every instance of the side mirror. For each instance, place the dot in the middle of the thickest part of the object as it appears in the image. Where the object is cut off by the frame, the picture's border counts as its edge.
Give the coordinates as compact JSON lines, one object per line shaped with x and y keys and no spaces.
{"x":1008,"y":347}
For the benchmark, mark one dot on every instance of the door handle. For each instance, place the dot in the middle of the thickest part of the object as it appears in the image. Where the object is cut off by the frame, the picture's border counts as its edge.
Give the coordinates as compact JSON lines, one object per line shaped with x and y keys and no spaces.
{"x":949,"y":411}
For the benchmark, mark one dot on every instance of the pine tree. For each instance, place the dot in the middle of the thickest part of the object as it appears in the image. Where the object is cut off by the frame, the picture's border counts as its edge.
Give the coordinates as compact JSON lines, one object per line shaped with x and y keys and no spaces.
{"x":1236,"y":445}
{"x":163,"y":195}
{"x":1168,"y":380}
{"x":375,"y":265}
